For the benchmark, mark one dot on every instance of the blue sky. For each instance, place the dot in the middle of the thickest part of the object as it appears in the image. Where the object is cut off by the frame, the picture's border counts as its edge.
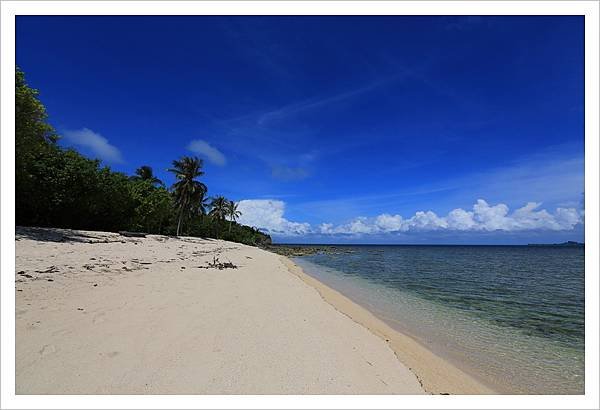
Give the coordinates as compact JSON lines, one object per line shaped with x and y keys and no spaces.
{"x":381,"y":129}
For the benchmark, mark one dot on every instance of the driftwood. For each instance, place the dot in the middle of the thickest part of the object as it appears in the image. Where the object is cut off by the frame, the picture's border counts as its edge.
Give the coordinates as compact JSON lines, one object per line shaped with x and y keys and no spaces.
{"x":216,"y":264}
{"x":134,"y":234}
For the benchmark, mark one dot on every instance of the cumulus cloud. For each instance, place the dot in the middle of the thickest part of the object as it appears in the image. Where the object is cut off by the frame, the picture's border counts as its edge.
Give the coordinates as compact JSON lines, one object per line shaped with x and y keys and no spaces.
{"x":96,"y":143}
{"x":483,"y":217}
{"x":269,"y":215}
{"x":204,"y":149}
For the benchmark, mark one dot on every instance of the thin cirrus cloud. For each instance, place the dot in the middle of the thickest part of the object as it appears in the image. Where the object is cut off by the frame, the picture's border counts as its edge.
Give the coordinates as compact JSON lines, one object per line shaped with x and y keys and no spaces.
{"x":204,"y":149}
{"x":318,"y":102}
{"x":95,"y":143}
{"x":285,"y":173}
{"x":268,"y":215}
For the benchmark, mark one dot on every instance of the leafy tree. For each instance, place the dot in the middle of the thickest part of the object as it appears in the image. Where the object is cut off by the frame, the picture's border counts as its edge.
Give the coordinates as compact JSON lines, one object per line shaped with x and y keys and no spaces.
{"x":187,"y":190}
{"x":34,"y":139}
{"x":57,"y":187}
{"x":30,"y":115}
{"x":153,"y":207}
{"x":145,"y":173}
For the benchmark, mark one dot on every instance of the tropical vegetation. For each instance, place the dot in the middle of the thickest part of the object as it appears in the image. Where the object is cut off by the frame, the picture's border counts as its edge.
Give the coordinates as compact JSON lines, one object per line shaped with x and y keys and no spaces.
{"x":59,"y":187}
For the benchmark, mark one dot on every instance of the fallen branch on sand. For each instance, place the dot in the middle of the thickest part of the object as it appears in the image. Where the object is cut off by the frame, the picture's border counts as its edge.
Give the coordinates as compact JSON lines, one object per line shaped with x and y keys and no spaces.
{"x":216,"y":264}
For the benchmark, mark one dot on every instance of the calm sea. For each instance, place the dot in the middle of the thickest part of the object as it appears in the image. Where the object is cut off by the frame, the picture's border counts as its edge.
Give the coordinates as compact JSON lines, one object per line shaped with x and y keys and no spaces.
{"x":512,"y":316}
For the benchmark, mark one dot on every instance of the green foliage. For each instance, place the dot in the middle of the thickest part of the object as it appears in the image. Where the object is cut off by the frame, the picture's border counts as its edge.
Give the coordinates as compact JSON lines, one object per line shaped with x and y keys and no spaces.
{"x":145,"y":173}
{"x":31,"y":115}
{"x":69,"y":190}
{"x":219,"y":208}
{"x":153,"y":207}
{"x":58,"y":187}
{"x":188,"y":192}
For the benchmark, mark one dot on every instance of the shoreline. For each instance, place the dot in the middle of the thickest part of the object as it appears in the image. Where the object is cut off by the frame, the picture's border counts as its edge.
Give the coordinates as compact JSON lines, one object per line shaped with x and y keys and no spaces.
{"x":435,"y":374}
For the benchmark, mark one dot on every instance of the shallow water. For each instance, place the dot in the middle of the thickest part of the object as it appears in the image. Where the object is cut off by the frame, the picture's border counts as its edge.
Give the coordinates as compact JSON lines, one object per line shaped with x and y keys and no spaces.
{"x":512,"y":316}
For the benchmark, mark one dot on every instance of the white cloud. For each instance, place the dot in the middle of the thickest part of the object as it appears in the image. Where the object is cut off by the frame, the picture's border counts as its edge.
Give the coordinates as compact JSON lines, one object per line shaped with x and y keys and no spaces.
{"x":96,"y":143}
{"x":206,"y":150}
{"x":460,"y":220}
{"x":491,"y":218}
{"x":267,"y":214}
{"x":389,"y":223}
{"x":483,"y":217}
{"x":426,"y":221}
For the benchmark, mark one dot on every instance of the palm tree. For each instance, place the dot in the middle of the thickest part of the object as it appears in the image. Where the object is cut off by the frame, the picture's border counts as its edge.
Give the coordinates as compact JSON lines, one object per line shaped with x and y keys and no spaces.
{"x":232,"y":213}
{"x":189,"y":193}
{"x":201,"y":206}
{"x":219,"y":208}
{"x":144,"y":173}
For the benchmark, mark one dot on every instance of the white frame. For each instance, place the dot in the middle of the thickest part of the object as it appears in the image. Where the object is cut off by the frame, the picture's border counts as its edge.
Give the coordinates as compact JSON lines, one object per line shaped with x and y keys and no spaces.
{"x":588,"y":8}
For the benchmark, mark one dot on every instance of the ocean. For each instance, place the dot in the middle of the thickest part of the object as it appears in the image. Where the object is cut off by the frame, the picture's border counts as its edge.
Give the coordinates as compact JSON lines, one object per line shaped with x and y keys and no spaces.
{"x":512,"y":316}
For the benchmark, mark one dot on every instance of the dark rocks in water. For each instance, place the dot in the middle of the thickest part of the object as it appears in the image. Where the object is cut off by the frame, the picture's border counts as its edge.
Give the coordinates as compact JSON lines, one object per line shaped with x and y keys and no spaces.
{"x":303,"y":250}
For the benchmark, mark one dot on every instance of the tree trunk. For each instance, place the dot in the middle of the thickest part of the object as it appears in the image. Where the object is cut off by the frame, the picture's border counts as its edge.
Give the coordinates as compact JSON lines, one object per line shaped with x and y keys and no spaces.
{"x":179,"y":222}
{"x":183,"y":207}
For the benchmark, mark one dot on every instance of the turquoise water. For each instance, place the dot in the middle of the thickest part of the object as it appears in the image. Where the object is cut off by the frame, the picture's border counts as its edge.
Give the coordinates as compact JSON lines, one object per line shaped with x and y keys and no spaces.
{"x":512,"y":316}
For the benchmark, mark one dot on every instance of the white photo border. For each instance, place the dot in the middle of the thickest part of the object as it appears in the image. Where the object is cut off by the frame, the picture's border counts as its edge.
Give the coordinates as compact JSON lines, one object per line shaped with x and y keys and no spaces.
{"x":10,"y":9}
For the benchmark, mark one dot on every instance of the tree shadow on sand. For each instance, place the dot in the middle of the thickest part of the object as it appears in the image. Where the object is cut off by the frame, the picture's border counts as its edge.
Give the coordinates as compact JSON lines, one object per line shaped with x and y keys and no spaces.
{"x":64,"y":235}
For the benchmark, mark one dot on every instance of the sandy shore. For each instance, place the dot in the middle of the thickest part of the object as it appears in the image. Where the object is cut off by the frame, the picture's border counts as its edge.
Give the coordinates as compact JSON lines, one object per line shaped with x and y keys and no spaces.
{"x":435,"y":374}
{"x":99,"y":313}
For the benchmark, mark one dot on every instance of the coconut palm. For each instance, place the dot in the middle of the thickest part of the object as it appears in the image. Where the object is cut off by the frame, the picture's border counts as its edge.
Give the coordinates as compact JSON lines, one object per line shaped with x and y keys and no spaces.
{"x":144,"y":173}
{"x":201,"y":206}
{"x":219,"y":206}
{"x":232,"y":213}
{"x":189,"y":193}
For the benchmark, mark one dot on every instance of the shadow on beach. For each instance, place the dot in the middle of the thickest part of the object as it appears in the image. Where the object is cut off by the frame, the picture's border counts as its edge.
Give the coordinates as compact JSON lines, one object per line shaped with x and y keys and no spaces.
{"x":63,"y":235}
{"x":78,"y":236}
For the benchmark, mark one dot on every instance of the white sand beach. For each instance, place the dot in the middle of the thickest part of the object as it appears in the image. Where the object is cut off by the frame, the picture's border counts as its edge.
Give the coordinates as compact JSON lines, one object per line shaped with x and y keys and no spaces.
{"x":100,"y":313}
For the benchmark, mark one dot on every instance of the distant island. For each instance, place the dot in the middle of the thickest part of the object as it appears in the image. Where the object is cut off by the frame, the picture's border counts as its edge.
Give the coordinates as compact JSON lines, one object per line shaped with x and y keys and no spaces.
{"x":568,"y":243}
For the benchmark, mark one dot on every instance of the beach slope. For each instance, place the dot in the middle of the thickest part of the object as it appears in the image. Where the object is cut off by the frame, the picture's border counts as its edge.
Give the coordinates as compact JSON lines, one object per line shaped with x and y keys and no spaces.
{"x":101,"y":313}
